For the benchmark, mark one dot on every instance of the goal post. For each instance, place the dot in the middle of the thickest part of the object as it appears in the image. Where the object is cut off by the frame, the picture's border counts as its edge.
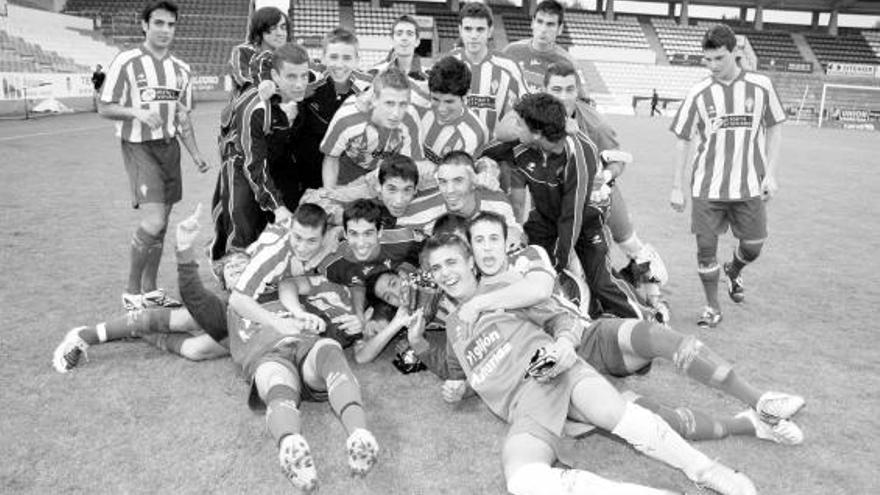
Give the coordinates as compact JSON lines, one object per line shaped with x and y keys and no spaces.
{"x":854,"y":91}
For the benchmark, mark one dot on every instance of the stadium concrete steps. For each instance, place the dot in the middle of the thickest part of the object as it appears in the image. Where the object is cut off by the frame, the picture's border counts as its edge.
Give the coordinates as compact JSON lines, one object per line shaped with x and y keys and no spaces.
{"x":806,"y":52}
{"x":654,"y":43}
{"x":58,"y":33}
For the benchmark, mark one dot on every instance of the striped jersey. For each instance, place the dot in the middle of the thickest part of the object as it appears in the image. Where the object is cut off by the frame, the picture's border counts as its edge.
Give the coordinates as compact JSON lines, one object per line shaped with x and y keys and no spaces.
{"x":533,"y":63}
{"x":137,"y":79}
{"x":731,"y":121}
{"x":428,"y":207}
{"x":272,"y":260}
{"x":418,"y":80}
{"x":466,"y":133}
{"x":496,"y":84}
{"x":361,"y":145}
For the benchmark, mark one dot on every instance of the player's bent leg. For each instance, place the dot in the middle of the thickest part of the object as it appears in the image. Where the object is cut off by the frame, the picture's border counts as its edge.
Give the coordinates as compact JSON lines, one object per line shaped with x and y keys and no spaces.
{"x":599,"y":402}
{"x":745,"y":253}
{"x":527,"y":462}
{"x":326,"y":369}
{"x":279,"y":387}
{"x":202,"y":347}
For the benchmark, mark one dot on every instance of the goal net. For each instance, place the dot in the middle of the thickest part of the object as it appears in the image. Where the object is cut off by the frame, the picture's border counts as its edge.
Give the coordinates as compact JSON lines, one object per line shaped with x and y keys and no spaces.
{"x":850,"y":106}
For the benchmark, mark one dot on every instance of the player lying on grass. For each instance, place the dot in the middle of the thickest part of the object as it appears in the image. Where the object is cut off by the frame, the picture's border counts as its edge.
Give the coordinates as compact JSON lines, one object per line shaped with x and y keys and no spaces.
{"x":493,"y":352}
{"x":624,"y":347}
{"x":167,"y":328}
{"x":286,"y":360}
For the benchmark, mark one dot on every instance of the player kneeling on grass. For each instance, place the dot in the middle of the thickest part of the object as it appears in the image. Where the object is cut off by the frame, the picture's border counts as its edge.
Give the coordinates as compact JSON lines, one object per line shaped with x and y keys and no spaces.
{"x":286,"y":359}
{"x":623,"y":347}
{"x":166,"y":328}
{"x":493,"y":352}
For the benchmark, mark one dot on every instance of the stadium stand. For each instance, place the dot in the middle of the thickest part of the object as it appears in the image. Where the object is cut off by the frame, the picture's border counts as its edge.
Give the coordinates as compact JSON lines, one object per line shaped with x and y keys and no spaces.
{"x":873,"y":40}
{"x":772,"y":45}
{"x":849,"y":48}
{"x":678,"y":41}
{"x":627,"y":80}
{"x":314,"y":18}
{"x":369,"y":21}
{"x":445,"y":20}
{"x":55,"y":39}
{"x":17,"y":55}
{"x":591,"y":29}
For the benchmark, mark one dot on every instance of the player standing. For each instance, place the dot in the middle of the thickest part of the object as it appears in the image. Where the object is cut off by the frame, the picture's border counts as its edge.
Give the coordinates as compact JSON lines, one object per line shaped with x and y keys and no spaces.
{"x":496,"y":80}
{"x":268,"y":31}
{"x":148,"y":92}
{"x":535,"y":54}
{"x":736,"y":114}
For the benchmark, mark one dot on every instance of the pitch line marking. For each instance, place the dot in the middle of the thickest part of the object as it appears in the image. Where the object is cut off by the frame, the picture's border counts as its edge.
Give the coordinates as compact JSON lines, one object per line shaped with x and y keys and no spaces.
{"x":52,"y":133}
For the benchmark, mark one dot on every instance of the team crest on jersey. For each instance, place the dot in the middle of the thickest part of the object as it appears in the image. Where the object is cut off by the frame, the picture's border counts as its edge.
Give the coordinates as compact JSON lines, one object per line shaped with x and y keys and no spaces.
{"x":531,"y":167}
{"x":494,"y":86}
{"x":750,"y":104}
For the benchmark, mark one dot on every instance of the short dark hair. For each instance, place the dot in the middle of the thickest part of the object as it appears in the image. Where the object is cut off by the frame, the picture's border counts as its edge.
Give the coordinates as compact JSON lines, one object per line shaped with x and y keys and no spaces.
{"x":154,"y":6}
{"x":443,"y":240}
{"x":458,"y":157}
{"x":339,"y":35}
{"x":263,"y":20}
{"x":292,"y":53}
{"x":543,"y":113}
{"x":393,"y":78}
{"x":563,"y":68}
{"x":408,"y":19}
{"x":399,"y":166}
{"x":370,"y":285}
{"x":477,"y":10}
{"x":450,"y":76}
{"x":490,"y":217}
{"x":719,"y":36}
{"x":551,"y":7}
{"x":450,"y":223}
{"x":311,"y":215}
{"x":362,"y":209}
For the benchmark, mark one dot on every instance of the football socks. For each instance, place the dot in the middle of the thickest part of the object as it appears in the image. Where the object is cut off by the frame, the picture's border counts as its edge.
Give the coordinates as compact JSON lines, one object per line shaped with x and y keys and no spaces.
{"x":282,"y":412}
{"x":151,"y":265}
{"x":342,"y":387}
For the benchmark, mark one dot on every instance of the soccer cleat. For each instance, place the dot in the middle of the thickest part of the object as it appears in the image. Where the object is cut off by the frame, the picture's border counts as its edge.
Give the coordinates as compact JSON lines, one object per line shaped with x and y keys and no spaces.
{"x":296,"y":461}
{"x":735,"y":288}
{"x":784,"y":432}
{"x":724,"y":480}
{"x":362,"y":451}
{"x":69,"y":351}
{"x":158,"y":297}
{"x":710,"y":318}
{"x":775,"y":406}
{"x":132,"y":302}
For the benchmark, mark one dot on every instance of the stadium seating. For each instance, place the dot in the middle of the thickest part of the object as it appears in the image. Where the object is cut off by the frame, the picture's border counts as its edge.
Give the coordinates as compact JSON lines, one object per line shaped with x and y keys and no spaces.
{"x":677,"y":39}
{"x":628,"y":80}
{"x":772,"y":45}
{"x":17,"y":55}
{"x":873,"y":40}
{"x":56,"y":39}
{"x":445,"y":20}
{"x":314,"y":18}
{"x":590,"y":29}
{"x":849,"y":48}
{"x":369,"y":21}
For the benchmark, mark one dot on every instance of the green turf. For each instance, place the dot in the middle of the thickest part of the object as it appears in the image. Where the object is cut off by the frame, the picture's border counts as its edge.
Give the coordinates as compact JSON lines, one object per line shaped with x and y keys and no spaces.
{"x":135,"y":420}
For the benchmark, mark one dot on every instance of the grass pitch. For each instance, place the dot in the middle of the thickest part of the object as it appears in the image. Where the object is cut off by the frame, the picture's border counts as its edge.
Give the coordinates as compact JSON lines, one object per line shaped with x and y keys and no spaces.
{"x":136,"y":420}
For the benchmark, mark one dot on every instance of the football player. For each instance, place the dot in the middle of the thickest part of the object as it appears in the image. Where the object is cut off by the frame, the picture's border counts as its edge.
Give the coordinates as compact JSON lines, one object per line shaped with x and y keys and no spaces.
{"x":491,"y":353}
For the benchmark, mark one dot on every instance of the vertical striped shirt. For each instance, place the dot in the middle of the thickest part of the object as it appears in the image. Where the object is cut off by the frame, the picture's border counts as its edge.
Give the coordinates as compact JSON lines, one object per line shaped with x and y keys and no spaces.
{"x":137,"y":79}
{"x":731,"y":121}
{"x":466,"y":133}
{"x":533,"y":63}
{"x":361,"y":145}
{"x":421,"y":214}
{"x":496,"y":84}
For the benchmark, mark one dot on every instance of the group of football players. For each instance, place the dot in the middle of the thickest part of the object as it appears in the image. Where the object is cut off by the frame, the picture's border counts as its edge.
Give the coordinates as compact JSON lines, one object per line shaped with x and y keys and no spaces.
{"x":354,"y":209}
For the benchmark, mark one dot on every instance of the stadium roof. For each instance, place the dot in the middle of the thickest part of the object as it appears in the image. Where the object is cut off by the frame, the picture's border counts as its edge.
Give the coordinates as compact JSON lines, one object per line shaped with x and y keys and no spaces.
{"x":864,"y":7}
